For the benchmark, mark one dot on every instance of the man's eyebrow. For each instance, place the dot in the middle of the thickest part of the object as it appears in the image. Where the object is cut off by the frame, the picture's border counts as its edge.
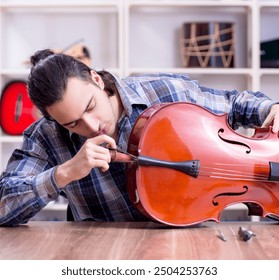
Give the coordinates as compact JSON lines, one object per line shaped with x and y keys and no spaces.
{"x":68,"y":123}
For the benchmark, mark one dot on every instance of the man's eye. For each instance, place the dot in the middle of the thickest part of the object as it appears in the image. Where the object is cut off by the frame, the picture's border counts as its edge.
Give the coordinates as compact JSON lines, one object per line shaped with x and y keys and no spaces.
{"x":72,"y":125}
{"x":90,"y":108}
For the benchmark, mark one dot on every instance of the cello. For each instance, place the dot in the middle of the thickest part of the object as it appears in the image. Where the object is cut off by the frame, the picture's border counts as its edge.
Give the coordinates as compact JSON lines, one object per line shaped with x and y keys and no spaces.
{"x":185,"y":165}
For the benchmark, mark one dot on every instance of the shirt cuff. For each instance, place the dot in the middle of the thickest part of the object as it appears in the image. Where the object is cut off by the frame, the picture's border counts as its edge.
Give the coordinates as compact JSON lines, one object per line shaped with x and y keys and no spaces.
{"x":48,"y":190}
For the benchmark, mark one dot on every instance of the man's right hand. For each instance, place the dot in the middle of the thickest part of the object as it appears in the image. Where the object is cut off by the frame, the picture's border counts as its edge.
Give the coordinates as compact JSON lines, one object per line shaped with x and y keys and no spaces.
{"x":91,"y":155}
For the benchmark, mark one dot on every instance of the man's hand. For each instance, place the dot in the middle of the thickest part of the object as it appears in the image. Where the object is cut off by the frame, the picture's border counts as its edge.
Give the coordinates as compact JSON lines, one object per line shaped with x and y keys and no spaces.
{"x":91,"y":155}
{"x":273,"y":118}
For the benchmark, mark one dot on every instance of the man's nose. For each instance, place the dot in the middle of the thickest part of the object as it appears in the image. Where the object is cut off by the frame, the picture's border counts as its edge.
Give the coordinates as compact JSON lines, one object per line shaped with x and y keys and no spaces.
{"x":91,"y":123}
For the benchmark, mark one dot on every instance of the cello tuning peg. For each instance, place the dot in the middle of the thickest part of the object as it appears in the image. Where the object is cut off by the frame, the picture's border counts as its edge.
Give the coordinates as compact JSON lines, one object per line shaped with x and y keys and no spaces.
{"x":245,"y":234}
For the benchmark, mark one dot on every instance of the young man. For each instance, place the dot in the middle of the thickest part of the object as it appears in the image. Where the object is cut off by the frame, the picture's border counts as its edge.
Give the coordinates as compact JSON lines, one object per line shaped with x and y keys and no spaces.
{"x":63,"y":152}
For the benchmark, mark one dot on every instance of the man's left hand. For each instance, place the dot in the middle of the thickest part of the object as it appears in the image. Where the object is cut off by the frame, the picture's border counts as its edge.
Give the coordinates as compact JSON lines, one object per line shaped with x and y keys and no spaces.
{"x":272,"y":118}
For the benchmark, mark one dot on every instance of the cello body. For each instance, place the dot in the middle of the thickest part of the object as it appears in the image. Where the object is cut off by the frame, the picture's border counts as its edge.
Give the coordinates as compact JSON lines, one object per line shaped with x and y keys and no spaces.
{"x":229,"y":168}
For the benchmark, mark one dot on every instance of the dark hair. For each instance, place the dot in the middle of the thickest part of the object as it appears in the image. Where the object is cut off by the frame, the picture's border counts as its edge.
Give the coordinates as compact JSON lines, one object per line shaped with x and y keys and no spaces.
{"x":49,"y":76}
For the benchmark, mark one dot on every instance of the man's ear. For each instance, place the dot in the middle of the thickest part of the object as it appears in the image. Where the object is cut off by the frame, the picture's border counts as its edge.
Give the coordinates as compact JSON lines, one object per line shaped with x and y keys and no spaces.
{"x":97,"y":79}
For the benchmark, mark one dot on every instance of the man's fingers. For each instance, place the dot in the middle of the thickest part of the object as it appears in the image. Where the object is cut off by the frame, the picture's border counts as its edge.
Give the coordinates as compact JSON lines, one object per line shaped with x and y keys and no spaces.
{"x":268,"y":121}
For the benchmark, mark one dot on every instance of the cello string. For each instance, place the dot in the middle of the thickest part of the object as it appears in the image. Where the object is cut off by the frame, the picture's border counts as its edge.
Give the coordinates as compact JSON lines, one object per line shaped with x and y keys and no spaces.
{"x":209,"y":168}
{"x":234,"y":175}
{"x":231,"y":174}
{"x":237,"y":179}
{"x":225,"y":170}
{"x":236,"y":164}
{"x":224,"y":173}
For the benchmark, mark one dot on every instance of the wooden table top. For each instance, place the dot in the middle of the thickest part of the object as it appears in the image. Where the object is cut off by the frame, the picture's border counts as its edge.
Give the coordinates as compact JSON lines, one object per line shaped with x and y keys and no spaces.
{"x":137,"y":241}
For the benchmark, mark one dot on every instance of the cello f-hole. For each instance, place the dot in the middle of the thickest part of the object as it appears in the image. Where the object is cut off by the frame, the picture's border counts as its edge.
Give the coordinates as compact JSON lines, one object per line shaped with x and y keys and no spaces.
{"x":221,"y":130}
{"x":216,"y":203}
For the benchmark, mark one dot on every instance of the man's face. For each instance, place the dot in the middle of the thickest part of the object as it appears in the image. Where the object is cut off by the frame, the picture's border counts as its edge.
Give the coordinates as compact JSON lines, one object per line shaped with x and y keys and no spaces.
{"x":85,"y":109}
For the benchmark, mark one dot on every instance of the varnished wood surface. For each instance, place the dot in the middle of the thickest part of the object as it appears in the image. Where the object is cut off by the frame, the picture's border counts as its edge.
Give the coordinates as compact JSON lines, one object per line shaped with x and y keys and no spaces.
{"x":137,"y":241}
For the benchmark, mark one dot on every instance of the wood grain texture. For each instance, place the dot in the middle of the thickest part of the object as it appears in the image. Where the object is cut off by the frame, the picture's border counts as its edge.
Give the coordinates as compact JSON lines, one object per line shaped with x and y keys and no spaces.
{"x":137,"y":241}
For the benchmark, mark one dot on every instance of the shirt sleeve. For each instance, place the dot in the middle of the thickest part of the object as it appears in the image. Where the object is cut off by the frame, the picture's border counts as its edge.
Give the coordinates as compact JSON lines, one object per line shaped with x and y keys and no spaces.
{"x":246,"y":109}
{"x":249,"y":109}
{"x":27,"y":185}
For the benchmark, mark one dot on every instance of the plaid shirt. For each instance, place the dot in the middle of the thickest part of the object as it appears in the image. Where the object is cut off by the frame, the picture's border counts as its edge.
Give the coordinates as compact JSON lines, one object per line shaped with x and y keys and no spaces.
{"x":28,"y":184}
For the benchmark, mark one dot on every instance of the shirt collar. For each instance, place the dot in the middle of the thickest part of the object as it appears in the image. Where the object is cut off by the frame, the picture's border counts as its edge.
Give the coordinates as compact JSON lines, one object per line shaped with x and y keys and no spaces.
{"x":129,"y":95}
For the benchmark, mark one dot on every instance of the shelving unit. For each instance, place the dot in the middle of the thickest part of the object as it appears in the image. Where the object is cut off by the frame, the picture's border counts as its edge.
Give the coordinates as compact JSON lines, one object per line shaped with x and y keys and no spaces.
{"x":134,"y":36}
{"x":162,"y":21}
{"x":269,"y":20}
{"x":27,"y":26}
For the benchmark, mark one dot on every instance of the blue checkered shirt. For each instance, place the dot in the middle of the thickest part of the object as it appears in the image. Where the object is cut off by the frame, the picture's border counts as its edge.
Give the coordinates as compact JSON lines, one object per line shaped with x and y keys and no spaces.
{"x":28,"y":185}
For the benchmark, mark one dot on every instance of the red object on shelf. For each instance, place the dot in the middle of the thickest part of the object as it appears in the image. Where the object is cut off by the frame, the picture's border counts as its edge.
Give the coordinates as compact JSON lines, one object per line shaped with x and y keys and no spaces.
{"x":17,"y":111}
